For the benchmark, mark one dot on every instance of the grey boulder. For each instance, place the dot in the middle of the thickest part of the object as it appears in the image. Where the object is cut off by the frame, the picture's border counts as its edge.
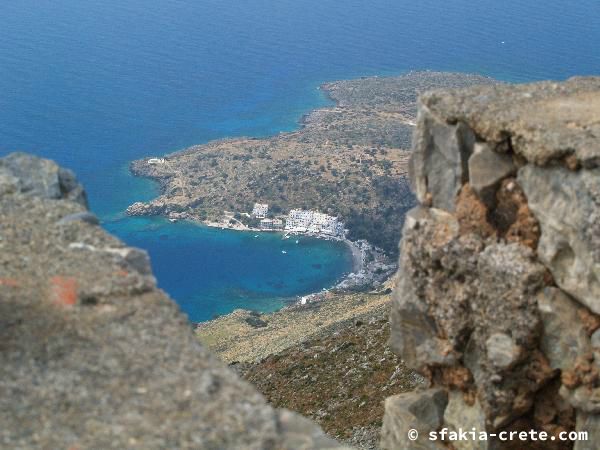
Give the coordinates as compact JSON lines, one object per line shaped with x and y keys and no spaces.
{"x":41,"y":178}
{"x":439,"y":163}
{"x":422,"y":412}
{"x":564,"y":338}
{"x":567,"y":206}
{"x":487,"y":168}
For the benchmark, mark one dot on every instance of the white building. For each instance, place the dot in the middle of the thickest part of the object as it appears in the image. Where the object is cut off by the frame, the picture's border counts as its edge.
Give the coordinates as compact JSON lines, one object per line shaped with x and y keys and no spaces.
{"x":260,"y":210}
{"x":314,"y":222}
{"x":271,"y":224}
{"x":323,"y":223}
{"x":298,"y":220}
{"x":154,"y":161}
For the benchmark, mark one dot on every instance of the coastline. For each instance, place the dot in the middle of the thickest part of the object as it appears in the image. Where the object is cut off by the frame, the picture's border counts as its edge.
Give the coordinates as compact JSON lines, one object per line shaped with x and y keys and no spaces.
{"x":362,"y":276}
{"x":357,"y":256}
{"x":349,"y":160}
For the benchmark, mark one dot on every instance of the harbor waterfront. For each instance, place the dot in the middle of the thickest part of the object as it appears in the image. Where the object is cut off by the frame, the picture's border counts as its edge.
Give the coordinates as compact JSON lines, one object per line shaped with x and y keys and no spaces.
{"x":369,"y":268}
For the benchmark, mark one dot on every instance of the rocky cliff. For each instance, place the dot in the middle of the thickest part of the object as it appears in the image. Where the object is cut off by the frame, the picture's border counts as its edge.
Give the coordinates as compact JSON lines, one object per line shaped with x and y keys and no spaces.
{"x":92,"y":354}
{"x":498,"y":299}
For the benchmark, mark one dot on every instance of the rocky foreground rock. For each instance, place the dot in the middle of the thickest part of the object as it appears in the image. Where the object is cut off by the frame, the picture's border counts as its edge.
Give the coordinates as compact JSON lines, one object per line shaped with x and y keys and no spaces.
{"x":498,"y":298}
{"x":92,"y":354}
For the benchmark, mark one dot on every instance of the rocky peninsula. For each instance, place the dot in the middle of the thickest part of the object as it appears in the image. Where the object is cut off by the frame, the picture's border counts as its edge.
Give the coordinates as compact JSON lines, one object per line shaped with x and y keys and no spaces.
{"x":349,"y":160}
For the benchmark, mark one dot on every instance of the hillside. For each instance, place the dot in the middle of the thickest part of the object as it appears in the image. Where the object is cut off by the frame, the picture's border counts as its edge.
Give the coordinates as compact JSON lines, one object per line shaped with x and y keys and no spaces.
{"x":338,"y":378}
{"x":329,"y":361}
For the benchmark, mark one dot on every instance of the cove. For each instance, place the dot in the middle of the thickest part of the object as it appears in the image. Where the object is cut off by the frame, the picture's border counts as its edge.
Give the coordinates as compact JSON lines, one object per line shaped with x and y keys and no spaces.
{"x":213,"y":272}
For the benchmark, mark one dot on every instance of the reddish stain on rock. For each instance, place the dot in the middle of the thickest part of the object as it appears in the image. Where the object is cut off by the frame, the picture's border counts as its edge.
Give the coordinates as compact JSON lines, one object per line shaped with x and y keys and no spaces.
{"x":121,"y":273}
{"x":10,"y":282}
{"x":513,"y":217}
{"x":590,"y":321}
{"x":471,"y":214}
{"x":456,"y":377}
{"x":63,"y":290}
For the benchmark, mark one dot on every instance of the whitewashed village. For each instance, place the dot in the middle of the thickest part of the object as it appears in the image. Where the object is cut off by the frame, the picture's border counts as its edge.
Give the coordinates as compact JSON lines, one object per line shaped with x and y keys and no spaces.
{"x":300,"y":221}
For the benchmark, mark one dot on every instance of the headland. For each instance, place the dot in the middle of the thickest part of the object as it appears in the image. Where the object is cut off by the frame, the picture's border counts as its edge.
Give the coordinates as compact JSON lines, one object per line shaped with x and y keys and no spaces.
{"x":348,"y":160}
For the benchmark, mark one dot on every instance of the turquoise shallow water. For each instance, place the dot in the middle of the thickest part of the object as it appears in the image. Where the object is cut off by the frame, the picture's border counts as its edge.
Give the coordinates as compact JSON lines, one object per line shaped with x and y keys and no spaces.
{"x":238,"y":270}
{"x":97,"y":84}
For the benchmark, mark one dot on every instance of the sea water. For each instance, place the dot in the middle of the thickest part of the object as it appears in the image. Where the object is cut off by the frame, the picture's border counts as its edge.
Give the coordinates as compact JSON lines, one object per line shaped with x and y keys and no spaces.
{"x":94,"y":85}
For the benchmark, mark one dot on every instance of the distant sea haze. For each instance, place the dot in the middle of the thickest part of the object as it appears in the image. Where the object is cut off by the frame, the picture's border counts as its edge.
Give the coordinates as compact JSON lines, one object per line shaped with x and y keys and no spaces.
{"x":95,"y":85}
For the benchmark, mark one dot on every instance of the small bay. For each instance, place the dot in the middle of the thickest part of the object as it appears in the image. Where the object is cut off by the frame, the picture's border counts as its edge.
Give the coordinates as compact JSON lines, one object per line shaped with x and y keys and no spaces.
{"x":212,"y":271}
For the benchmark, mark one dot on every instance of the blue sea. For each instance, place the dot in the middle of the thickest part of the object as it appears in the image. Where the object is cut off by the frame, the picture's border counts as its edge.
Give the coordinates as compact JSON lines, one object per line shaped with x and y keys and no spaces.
{"x":94,"y":85}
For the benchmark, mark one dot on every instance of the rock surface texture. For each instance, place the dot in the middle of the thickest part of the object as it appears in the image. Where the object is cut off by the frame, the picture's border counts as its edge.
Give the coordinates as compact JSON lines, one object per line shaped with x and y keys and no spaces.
{"x":92,"y":354}
{"x":498,"y":296}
